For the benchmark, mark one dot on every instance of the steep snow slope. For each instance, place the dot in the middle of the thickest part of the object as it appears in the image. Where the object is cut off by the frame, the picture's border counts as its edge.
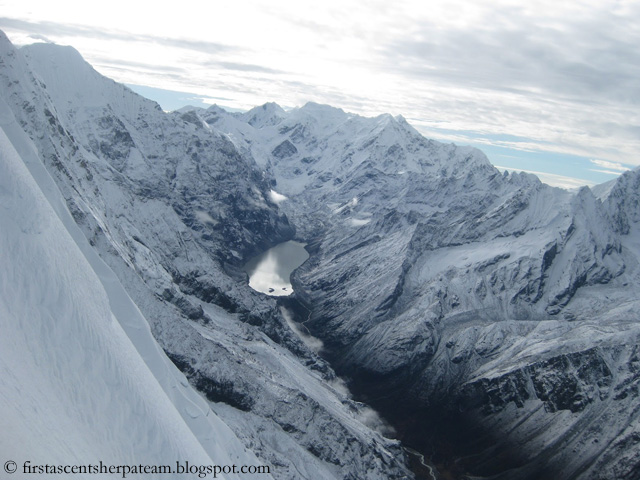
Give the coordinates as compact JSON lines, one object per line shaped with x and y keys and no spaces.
{"x":74,"y":388}
{"x":174,"y":209}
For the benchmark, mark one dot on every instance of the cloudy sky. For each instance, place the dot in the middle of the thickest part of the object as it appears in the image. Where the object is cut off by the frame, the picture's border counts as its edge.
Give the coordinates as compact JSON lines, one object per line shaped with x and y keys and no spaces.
{"x":545,"y":86}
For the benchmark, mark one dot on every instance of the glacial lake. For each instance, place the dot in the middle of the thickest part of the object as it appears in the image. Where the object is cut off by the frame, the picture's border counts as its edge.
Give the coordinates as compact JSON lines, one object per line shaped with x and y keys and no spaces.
{"x":270,"y":271}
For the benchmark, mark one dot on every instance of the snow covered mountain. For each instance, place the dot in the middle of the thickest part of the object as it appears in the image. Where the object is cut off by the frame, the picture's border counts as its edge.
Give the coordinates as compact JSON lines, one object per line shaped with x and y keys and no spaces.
{"x":439,"y":283}
{"x":173,"y":209}
{"x":83,"y":381}
{"x":499,"y":313}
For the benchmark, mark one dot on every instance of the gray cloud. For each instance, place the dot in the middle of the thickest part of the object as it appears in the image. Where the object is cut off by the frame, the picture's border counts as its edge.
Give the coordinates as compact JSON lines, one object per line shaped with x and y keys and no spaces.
{"x":526,"y":59}
{"x":139,"y":66}
{"x":575,"y":76}
{"x":60,"y":29}
{"x":243,"y":67}
{"x":590,"y":56}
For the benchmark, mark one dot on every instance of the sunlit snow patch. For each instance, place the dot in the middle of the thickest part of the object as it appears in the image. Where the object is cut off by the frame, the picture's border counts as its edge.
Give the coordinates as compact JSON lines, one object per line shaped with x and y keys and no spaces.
{"x":350,"y":204}
{"x":204,"y":217}
{"x":358,"y":222}
{"x":276,"y":197}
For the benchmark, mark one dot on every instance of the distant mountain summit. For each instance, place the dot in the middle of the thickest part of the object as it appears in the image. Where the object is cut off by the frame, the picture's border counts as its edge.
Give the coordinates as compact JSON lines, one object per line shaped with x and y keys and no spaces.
{"x":265,"y":116}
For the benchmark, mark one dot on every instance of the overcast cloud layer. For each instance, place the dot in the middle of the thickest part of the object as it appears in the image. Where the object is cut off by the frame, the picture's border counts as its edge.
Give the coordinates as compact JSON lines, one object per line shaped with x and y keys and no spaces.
{"x":557,"y":77}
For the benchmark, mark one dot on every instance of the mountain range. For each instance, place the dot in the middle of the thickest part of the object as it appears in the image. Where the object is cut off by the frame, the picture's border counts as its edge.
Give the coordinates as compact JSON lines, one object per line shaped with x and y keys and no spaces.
{"x":489,"y":319}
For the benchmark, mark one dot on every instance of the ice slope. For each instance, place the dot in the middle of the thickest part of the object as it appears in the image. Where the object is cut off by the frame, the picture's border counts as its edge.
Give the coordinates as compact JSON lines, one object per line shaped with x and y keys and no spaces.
{"x":82,"y":379}
{"x":173,"y":208}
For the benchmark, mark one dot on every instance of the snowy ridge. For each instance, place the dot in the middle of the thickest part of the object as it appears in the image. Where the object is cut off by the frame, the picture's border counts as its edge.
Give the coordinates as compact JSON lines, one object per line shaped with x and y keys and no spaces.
{"x":67,"y":360}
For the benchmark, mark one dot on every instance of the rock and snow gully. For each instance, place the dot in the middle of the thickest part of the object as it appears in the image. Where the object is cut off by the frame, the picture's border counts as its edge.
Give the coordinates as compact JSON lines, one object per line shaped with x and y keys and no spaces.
{"x":492,"y":319}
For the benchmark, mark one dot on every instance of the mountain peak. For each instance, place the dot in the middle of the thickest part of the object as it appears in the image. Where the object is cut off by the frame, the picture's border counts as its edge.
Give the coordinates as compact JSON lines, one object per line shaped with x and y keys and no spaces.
{"x":58,"y":52}
{"x":265,"y":115}
{"x":72,"y":83}
{"x":271,"y":106}
{"x":5,"y":44}
{"x":623,"y":201}
{"x":313,"y":107}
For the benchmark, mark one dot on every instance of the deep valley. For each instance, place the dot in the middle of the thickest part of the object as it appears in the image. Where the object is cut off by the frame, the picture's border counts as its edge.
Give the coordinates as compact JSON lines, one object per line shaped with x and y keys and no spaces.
{"x":490,"y":319}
